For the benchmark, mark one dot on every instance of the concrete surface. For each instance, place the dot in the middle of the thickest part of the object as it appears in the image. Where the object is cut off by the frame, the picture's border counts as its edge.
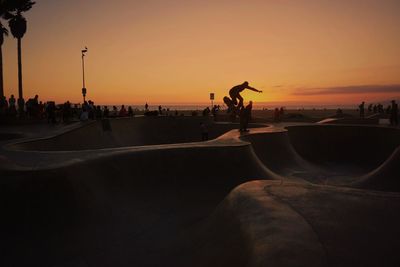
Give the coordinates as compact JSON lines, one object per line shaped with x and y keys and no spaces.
{"x":281,"y":195}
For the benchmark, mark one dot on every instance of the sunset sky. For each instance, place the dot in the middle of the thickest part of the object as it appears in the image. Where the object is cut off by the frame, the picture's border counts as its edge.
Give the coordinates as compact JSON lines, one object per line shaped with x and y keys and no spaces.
{"x":166,"y":52}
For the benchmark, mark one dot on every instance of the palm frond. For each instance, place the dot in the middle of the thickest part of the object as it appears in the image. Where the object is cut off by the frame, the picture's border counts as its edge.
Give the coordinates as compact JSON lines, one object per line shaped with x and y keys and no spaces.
{"x":19,"y":6}
{"x":6,"y":15}
{"x":17,"y":26}
{"x":6,"y":8}
{"x":3,"y":30}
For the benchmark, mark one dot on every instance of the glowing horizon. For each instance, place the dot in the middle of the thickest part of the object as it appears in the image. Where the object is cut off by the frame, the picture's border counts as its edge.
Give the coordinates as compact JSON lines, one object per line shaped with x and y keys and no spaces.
{"x":179,"y":51}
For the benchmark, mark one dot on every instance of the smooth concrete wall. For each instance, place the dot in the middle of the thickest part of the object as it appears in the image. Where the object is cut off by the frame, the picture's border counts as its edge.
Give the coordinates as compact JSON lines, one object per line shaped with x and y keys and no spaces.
{"x":364,"y":146}
{"x":132,"y":205}
{"x":276,"y":152}
{"x":386,"y":177}
{"x":130,"y":132}
{"x":9,"y":136}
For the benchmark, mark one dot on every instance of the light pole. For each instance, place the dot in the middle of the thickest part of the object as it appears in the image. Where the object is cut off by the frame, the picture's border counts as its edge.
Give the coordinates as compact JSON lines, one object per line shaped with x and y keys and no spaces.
{"x":83,"y":74}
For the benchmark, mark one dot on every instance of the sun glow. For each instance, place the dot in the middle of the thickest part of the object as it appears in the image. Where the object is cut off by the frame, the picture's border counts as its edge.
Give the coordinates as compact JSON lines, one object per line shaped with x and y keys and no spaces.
{"x":180,"y":52}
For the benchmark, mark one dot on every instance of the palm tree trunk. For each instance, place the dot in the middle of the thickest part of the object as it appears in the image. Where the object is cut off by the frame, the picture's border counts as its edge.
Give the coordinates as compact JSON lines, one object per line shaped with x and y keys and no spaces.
{"x":20,"y":94}
{"x":1,"y":73}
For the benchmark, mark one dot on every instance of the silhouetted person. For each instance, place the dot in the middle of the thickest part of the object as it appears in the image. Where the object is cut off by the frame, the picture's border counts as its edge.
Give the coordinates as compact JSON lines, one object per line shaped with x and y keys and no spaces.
{"x":51,"y":112}
{"x":146,"y":107}
{"x":12,"y":110}
{"x":66,"y":112}
{"x":99,"y":113}
{"x":34,"y":111}
{"x":281,"y":113}
{"x":84,"y":116}
{"x":277,"y":115}
{"x":369,"y":108}
{"x":214,"y":112}
{"x":41,"y":110}
{"x":206,"y":112}
{"x":232,"y":110}
{"x":394,"y":116}
{"x":245,"y":116}
{"x":114,"y":112}
{"x":160,"y":110}
{"x":29,"y":107}
{"x":36,"y":100}
{"x":362,"y":109}
{"x":234,"y":93}
{"x":75,"y":111}
{"x":122,"y":112}
{"x":204,"y":131}
{"x":380,"y":108}
{"x":91,"y":110}
{"x":106,"y":112}
{"x":12,"y":101}
{"x":130,"y":111}
{"x":230,"y":104}
{"x":389,"y":109}
{"x":21,"y":105}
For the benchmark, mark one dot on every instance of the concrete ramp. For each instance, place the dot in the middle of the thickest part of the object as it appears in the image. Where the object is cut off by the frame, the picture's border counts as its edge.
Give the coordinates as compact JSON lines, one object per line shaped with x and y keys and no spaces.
{"x":294,"y":224}
{"x":277,"y":154}
{"x":140,"y":131}
{"x":363,"y":146}
{"x":270,"y":223}
{"x":129,"y":208}
{"x":386,"y":177}
{"x":351,"y":120}
{"x":93,"y":197}
{"x":325,"y":154}
{"x":9,"y":136}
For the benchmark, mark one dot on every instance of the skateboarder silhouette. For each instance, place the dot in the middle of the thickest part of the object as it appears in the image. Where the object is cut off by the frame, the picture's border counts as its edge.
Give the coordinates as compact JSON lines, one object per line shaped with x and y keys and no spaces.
{"x":234,"y":93}
{"x":233,"y":105}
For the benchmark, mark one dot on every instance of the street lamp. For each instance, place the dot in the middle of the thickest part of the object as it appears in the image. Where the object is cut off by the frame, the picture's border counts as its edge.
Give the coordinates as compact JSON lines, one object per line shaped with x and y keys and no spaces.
{"x":83,"y":74}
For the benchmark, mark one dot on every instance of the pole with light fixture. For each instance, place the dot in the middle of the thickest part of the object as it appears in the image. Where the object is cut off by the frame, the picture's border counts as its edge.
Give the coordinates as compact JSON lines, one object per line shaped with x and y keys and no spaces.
{"x":83,"y":74}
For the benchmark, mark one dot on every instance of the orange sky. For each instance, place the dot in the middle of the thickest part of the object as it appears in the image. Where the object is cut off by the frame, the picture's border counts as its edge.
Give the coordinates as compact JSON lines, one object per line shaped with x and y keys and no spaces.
{"x":180,"y":51}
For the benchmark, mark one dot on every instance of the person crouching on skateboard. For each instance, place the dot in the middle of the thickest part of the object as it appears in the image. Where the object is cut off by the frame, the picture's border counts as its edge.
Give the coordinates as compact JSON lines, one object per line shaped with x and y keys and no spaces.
{"x":234,"y":93}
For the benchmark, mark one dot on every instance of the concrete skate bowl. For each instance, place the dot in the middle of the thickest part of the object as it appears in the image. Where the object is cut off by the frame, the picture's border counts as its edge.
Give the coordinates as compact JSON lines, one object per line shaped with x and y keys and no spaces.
{"x":153,"y":207}
{"x":333,"y":154}
{"x":141,"y":131}
{"x":173,"y":205}
{"x":9,"y":136}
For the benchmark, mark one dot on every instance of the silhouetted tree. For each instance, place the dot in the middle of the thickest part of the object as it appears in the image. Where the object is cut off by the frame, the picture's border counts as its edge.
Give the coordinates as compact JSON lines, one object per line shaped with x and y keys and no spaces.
{"x":18,"y":26}
{"x":3,"y":32}
{"x":4,"y":14}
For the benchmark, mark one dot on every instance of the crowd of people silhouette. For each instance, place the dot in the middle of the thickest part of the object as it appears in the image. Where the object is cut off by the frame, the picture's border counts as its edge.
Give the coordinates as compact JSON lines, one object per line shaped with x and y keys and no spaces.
{"x":391,"y":111}
{"x":66,"y":112}
{"x":34,"y":109}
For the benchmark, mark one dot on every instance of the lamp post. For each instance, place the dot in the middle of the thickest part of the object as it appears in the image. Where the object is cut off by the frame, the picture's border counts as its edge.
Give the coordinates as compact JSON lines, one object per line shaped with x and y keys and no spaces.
{"x":83,"y":74}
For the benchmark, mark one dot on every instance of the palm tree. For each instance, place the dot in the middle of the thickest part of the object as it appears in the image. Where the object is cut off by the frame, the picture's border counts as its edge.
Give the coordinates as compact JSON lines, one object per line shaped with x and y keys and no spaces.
{"x":3,"y":32}
{"x":18,"y":26}
{"x":4,"y":13}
